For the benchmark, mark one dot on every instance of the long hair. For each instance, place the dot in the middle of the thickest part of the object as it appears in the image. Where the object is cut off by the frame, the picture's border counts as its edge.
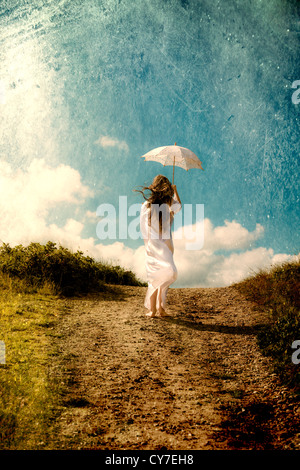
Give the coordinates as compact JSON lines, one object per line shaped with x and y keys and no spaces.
{"x":161,"y":192}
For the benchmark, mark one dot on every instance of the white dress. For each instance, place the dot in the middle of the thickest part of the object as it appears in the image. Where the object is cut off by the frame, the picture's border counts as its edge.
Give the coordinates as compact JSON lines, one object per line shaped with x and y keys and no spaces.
{"x":160,"y":268}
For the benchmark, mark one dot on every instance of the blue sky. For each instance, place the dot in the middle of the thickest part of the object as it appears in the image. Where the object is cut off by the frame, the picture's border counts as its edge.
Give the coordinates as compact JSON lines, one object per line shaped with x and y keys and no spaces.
{"x":87,"y":87}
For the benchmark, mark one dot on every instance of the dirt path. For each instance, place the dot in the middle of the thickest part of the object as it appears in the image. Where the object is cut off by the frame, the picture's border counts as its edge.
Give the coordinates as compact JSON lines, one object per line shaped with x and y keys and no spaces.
{"x":193,"y":380}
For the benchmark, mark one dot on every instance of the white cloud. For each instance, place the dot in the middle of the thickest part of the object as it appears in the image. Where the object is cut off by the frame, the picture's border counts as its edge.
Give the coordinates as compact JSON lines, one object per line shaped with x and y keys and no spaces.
{"x":26,"y":197}
{"x":2,"y":93}
{"x":232,"y":236}
{"x":205,"y":269}
{"x":91,"y":216}
{"x":211,"y":267}
{"x":107,"y":141}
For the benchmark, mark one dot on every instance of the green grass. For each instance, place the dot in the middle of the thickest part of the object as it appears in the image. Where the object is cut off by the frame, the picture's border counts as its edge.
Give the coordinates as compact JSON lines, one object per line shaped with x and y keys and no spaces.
{"x":34,"y":281}
{"x":277,"y":292}
{"x":28,"y":396}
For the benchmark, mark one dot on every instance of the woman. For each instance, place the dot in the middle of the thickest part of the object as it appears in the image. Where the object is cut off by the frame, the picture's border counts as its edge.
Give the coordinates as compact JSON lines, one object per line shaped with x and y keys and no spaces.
{"x":156,"y":218}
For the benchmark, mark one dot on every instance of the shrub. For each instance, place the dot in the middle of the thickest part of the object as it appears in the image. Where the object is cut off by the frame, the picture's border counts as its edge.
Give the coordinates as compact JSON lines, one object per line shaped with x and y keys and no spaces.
{"x":277,"y":291}
{"x":68,"y":272}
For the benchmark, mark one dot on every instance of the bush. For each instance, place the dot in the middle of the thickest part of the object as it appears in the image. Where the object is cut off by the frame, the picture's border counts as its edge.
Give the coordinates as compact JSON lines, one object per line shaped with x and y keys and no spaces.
{"x":277,"y":291}
{"x":276,"y":341}
{"x":70,"y":273}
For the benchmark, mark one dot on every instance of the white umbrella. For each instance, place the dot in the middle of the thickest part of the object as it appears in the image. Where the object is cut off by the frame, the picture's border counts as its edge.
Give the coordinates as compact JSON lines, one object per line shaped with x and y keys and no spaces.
{"x":174,"y":155}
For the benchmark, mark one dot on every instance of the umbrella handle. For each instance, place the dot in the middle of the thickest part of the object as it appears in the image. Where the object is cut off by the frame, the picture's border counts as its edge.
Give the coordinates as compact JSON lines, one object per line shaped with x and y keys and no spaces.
{"x":173,"y":169}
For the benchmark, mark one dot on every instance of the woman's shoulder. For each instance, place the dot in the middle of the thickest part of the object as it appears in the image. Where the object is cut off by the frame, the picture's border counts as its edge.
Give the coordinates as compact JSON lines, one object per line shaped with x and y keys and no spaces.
{"x":144,"y":206}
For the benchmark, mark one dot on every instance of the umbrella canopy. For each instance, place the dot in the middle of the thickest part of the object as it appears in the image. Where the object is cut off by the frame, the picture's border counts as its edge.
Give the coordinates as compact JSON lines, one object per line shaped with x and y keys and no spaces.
{"x":174,"y":155}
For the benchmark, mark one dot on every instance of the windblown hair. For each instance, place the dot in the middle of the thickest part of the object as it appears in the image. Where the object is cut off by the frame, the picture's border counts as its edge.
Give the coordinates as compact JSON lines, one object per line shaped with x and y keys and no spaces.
{"x":161,"y":192}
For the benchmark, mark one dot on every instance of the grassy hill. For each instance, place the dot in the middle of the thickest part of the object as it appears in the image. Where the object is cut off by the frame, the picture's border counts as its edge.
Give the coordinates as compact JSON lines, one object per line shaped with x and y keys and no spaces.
{"x":277,"y":292}
{"x":59,"y":270}
{"x":34,"y":283}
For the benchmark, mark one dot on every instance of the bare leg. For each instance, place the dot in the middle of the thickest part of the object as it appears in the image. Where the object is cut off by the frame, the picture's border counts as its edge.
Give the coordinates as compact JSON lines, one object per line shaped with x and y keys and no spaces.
{"x":152,"y":311}
{"x":161,"y":299}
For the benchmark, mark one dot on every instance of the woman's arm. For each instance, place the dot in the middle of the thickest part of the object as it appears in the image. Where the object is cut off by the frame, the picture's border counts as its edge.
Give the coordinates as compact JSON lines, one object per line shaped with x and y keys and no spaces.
{"x":176,"y":193}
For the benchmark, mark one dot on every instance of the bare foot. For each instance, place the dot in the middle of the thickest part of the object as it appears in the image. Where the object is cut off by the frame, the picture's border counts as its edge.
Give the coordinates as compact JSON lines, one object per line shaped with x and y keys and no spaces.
{"x":162,"y":313}
{"x":150,"y":314}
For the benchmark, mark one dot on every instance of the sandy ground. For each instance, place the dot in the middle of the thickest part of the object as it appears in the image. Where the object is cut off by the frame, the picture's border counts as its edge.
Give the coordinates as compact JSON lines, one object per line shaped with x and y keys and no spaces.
{"x":195,"y":379}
